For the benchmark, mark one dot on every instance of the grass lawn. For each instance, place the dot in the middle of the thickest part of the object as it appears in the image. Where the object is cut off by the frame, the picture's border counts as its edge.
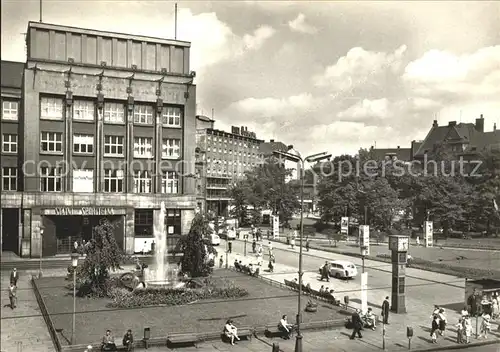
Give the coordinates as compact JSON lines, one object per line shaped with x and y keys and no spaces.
{"x":263,"y":306}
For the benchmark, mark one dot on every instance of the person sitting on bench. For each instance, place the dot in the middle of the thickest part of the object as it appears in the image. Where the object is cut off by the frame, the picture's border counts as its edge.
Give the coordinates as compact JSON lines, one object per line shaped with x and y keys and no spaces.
{"x":231,"y":331}
{"x":108,"y":342}
{"x":128,"y":341}
{"x":285,"y":328}
{"x":369,"y":319}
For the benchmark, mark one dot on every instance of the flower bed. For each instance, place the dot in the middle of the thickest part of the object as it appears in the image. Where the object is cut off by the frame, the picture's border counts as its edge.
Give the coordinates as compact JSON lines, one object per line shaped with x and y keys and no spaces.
{"x":123,"y":298}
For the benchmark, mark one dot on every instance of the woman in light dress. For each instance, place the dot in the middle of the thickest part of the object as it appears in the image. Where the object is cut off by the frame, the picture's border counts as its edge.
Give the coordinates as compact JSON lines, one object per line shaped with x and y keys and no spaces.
{"x":231,"y":331}
{"x":485,"y":325}
{"x":467,"y":329}
{"x":495,"y":307}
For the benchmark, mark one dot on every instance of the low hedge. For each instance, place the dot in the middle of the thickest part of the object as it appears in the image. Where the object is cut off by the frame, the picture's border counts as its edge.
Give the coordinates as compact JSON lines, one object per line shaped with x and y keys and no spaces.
{"x":151,"y":296}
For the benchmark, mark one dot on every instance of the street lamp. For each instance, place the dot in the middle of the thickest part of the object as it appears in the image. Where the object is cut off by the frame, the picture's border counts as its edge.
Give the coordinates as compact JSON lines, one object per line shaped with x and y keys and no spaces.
{"x":310,"y":159}
{"x":74,"y":264}
{"x":41,"y":251}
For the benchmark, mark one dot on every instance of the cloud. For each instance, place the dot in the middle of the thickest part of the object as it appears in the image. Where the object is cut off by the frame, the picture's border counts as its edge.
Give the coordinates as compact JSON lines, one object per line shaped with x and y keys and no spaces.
{"x":265,"y":107}
{"x":367,"y":110}
{"x":299,"y":25}
{"x":359,"y":66}
{"x":260,"y":35}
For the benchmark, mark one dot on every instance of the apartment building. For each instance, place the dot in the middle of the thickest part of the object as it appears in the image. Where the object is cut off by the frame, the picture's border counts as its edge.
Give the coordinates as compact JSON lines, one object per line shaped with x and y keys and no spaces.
{"x":95,"y":125}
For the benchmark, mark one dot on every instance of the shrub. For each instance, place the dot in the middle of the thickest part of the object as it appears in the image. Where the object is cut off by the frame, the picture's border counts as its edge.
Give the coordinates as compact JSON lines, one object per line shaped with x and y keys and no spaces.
{"x":122,"y":298}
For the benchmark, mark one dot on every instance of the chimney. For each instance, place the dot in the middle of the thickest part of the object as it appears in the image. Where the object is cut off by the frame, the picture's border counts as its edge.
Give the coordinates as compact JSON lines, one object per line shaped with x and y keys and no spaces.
{"x":480,"y":124}
{"x":452,"y":123}
{"x":398,"y":146}
{"x":271,"y":141}
{"x":435,"y":123}
{"x":371,"y":148}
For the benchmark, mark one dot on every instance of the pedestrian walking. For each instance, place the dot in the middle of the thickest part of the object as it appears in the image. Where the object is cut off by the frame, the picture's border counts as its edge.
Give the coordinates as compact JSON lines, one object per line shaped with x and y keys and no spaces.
{"x":495,"y":306}
{"x":307,"y":245}
{"x":230,"y":246}
{"x":460,"y":330}
{"x":357,"y":325}
{"x":434,"y":328}
{"x":14,"y":276}
{"x":325,"y":272}
{"x":292,"y":242}
{"x":385,"y":310}
{"x":221,"y":261}
{"x":13,"y":295}
{"x":271,"y":266}
{"x":260,"y":254}
{"x":254,"y":246}
{"x":270,"y":248}
{"x":485,"y":325}
{"x":442,"y":321}
{"x":467,"y":329}
{"x":418,"y":241}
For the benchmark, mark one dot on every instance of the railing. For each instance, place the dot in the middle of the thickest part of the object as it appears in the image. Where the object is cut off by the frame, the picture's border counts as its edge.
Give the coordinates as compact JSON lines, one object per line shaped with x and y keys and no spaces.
{"x":46,"y":316}
{"x":66,"y":245}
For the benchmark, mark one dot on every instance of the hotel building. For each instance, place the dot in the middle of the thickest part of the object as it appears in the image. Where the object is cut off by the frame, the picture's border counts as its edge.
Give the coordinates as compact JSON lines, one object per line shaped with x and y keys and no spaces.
{"x":95,"y":125}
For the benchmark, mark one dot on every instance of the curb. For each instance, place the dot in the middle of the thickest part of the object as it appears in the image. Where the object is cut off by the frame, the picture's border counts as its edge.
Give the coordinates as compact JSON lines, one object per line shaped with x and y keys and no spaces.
{"x":460,"y":346}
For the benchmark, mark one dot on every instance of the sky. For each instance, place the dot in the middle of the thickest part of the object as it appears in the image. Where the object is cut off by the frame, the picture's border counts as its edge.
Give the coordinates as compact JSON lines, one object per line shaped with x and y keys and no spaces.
{"x":321,"y":76}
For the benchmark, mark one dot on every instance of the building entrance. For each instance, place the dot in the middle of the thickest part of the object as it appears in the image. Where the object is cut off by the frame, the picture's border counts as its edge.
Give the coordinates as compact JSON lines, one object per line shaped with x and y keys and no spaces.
{"x":10,"y":230}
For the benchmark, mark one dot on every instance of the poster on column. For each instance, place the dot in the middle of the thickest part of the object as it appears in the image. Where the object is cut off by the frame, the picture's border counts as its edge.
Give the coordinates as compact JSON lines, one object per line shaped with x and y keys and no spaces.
{"x":364,"y":239}
{"x":344,"y":225}
{"x":276,"y":227}
{"x":429,"y":233}
{"x":364,"y":292}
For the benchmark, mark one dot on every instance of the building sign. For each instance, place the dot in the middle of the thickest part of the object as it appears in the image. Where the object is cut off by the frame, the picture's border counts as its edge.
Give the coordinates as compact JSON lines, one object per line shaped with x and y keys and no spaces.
{"x":84,"y":211}
{"x":429,"y":233}
{"x":364,"y":239}
{"x":344,"y":225}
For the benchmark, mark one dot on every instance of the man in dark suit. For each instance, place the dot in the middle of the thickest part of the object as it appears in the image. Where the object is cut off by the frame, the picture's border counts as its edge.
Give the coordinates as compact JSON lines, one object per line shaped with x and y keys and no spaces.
{"x":385,"y":310}
{"x":14,"y":276}
{"x":357,"y":325}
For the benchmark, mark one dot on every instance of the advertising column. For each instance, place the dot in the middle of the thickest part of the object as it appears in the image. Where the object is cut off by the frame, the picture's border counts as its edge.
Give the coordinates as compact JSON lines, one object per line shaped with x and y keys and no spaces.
{"x":364,"y":239}
{"x":429,"y":233}
{"x":276,"y":226}
{"x":344,"y":226}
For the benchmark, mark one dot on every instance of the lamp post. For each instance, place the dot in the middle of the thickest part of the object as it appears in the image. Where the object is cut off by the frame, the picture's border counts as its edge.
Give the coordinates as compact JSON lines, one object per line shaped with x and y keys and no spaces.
{"x":74,"y":264}
{"x":246,"y":245}
{"x":297,"y":158}
{"x":41,"y":252}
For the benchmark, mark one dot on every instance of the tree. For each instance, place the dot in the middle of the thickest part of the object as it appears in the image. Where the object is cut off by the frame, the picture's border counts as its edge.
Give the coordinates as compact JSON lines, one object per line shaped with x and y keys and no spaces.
{"x":103,"y":255}
{"x":239,"y":195}
{"x":195,"y":249}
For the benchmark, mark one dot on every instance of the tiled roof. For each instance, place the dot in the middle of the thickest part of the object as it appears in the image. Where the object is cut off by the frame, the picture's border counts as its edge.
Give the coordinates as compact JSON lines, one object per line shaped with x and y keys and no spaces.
{"x":400,"y":153}
{"x":485,"y":140}
{"x":12,"y":74}
{"x":267,"y":148}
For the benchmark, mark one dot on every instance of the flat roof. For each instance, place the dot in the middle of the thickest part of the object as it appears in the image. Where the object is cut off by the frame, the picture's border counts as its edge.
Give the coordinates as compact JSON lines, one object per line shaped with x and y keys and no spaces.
{"x":142,"y":38}
{"x":214,"y":131}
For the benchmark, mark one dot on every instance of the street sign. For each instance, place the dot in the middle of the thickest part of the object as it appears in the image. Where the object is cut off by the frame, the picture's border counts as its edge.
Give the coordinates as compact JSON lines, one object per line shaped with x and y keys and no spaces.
{"x":364,"y":239}
{"x":429,"y":233}
{"x":344,"y":225}
{"x":276,"y":226}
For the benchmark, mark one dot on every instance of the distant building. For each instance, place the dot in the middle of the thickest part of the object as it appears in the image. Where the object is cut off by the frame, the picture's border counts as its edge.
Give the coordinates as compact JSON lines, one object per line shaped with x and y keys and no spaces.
{"x":267,"y":150}
{"x":459,"y":140}
{"x":403,"y":154}
{"x":227,"y":156}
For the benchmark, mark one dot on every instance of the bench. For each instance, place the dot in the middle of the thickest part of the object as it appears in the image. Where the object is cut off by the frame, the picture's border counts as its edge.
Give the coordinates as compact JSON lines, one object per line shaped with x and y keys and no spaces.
{"x":243,"y":333}
{"x":273,"y":331}
{"x":183,"y":339}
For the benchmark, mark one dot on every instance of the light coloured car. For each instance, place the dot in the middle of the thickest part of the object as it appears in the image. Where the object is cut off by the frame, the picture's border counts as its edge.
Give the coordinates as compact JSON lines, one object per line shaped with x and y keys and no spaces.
{"x":342,"y":269}
{"x":214,"y":239}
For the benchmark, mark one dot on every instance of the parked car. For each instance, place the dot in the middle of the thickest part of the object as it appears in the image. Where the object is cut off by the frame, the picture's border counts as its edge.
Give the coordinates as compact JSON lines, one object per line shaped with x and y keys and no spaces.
{"x":214,"y":239}
{"x":342,"y":269}
{"x":228,"y":234}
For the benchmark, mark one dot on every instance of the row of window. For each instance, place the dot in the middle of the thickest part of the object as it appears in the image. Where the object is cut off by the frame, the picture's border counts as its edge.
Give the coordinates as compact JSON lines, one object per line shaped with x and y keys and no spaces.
{"x":236,"y":142}
{"x":51,"y":180}
{"x":52,"y":142}
{"x":84,"y":110}
{"x":230,"y":152}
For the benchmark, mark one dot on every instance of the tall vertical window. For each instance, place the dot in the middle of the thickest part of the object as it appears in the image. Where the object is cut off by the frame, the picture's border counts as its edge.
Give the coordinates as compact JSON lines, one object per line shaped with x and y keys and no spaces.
{"x":171,"y":149}
{"x":9,"y":143}
{"x":143,"y":222}
{"x":10,"y":110}
{"x":143,"y":114}
{"x":83,"y":110}
{"x":83,"y":143}
{"x":142,"y":181}
{"x":50,"y":179}
{"x":113,"y":181}
{"x":113,"y":145}
{"x":83,"y":180}
{"x":114,"y":112}
{"x":170,"y":182}
{"x":171,"y":116}
{"x":9,"y":179}
{"x":51,"y":142}
{"x":174,"y":222}
{"x":143,"y":147}
{"x":51,"y":108}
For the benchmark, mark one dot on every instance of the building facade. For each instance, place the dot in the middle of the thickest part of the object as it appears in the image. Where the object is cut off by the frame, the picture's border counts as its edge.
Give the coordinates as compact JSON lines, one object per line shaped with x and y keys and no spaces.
{"x":105,"y":129}
{"x":227,"y":157}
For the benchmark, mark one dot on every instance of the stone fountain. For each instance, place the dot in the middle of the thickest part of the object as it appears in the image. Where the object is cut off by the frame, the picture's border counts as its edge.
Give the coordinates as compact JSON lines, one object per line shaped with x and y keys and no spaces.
{"x":160,"y":273}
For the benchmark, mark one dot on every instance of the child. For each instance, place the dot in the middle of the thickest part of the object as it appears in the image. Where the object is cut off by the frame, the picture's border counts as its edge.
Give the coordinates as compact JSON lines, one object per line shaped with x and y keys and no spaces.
{"x":467,"y":329}
{"x":460,"y":330}
{"x":435,"y":328}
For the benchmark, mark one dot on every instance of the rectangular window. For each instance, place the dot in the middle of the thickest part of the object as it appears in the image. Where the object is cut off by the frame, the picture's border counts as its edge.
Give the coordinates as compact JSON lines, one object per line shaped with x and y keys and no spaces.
{"x":113,"y":181}
{"x":10,"y":110}
{"x":143,"y":222}
{"x":9,"y":143}
{"x":142,"y":181}
{"x":51,"y":142}
{"x":50,"y":179}
{"x":171,"y":116}
{"x":174,"y":222}
{"x":114,"y":113}
{"x":83,"y":181}
{"x":170,"y":182}
{"x":113,"y":145}
{"x":143,"y":147}
{"x":143,"y":114}
{"x":9,"y":179}
{"x":83,"y":110}
{"x":83,"y":143}
{"x":171,"y":149}
{"x":51,"y":108}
